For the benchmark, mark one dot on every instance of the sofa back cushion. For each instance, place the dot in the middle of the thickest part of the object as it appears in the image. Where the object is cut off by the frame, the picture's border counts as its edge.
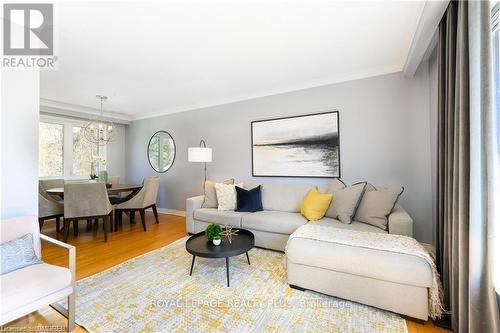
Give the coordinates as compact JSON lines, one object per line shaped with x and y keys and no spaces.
{"x":284,"y":197}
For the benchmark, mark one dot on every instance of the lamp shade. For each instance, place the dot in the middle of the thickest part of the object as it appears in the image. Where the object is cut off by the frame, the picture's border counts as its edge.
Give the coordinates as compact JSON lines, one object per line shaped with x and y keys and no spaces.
{"x":199,"y":154}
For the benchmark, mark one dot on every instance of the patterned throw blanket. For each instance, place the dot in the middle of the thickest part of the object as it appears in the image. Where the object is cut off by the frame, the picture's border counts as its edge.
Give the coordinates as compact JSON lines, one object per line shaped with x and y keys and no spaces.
{"x":379,"y":241}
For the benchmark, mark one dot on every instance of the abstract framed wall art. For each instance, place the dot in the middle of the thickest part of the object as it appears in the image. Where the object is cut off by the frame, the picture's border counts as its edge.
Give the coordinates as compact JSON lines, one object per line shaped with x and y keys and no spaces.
{"x":299,"y":146}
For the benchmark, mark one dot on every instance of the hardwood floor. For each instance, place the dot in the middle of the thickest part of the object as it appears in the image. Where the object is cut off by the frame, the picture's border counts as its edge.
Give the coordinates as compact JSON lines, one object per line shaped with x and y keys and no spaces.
{"x":93,"y":256}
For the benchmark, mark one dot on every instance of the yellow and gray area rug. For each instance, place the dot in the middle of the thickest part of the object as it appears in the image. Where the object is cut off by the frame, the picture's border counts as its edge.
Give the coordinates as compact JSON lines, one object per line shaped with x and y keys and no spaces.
{"x":154,"y":293}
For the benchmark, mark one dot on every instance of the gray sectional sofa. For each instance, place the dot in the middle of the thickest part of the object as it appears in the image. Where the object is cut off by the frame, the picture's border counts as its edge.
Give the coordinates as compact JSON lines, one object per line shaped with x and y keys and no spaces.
{"x":281,"y":217}
{"x":391,"y":281}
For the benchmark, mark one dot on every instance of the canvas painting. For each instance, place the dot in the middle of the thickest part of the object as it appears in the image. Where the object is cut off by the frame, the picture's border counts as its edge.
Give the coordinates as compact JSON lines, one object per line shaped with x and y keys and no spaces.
{"x":302,"y":146}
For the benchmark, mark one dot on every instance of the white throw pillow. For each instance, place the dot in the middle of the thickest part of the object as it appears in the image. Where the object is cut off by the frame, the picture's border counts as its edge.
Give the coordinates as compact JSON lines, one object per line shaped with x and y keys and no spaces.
{"x":210,"y":195}
{"x":226,"y":196}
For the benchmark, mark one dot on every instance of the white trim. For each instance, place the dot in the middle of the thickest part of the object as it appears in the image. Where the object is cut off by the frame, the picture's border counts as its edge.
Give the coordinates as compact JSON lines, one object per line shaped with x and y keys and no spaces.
{"x":171,"y":211}
{"x":72,"y":110}
{"x":429,"y":21}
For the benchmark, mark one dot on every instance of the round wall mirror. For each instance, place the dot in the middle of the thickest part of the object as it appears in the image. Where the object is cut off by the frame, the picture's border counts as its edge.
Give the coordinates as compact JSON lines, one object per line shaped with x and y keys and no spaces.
{"x":161,"y":151}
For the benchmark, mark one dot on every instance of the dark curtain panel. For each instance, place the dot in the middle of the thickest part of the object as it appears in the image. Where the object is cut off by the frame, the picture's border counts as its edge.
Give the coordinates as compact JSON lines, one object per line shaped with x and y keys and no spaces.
{"x":464,"y":231}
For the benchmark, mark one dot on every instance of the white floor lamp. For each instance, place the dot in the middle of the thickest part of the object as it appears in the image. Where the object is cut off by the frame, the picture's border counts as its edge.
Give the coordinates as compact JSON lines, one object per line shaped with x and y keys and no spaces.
{"x":200,"y":154}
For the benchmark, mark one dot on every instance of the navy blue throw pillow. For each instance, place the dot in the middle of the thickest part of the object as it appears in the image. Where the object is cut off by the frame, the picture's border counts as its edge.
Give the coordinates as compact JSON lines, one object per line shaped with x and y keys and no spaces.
{"x":248,"y":200}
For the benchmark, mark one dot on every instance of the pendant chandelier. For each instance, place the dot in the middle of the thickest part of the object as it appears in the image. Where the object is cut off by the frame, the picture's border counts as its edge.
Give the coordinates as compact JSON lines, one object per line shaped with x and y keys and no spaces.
{"x":100,"y":130}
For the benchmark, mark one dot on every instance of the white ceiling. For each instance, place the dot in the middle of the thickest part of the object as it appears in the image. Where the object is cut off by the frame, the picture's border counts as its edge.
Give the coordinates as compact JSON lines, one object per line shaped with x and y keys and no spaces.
{"x":154,"y":58}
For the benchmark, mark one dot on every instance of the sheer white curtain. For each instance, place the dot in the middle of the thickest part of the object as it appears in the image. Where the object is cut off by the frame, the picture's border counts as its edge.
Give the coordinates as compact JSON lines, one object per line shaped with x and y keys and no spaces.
{"x":483,"y":310}
{"x":495,"y":23}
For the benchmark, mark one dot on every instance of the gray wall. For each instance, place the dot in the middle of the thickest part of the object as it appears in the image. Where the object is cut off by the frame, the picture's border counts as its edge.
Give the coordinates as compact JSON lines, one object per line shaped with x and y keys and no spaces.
{"x":384,"y":139}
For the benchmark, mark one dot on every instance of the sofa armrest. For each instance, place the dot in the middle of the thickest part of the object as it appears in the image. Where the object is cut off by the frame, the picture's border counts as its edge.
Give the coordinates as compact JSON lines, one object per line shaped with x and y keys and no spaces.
{"x":400,"y":223}
{"x":192,"y":204}
{"x":71,"y":254}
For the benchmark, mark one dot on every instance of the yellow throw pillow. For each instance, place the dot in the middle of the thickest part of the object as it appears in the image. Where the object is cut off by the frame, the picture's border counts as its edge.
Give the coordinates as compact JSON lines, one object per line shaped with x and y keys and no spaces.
{"x":315,"y":205}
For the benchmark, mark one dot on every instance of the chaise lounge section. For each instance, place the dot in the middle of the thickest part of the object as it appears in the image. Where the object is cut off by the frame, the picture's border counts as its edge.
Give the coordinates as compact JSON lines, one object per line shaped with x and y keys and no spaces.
{"x":388,"y":280}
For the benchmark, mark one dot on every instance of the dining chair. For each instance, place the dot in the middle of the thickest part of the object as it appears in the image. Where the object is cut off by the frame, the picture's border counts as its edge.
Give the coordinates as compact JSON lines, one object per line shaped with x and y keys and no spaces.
{"x":115,"y":197}
{"x":145,"y":199}
{"x":52,"y":183}
{"x":86,"y":201}
{"x":48,"y":208}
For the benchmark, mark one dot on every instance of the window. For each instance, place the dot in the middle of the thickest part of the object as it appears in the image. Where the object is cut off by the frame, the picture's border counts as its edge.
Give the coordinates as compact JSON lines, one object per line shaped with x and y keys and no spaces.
{"x":83,"y":153}
{"x":63,"y":152}
{"x":50,"y":150}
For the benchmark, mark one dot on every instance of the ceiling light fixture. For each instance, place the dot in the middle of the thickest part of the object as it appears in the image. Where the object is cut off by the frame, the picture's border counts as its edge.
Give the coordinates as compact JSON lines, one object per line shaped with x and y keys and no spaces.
{"x":100,"y":130}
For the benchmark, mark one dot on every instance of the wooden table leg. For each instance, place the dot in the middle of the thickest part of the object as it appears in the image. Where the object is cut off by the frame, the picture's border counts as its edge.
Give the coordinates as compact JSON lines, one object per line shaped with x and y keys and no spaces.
{"x":227,"y":270}
{"x":192,"y":265}
{"x":248,"y":258}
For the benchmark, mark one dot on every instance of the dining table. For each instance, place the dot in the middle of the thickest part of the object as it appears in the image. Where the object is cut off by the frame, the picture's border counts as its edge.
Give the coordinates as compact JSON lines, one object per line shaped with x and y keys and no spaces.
{"x":113,"y":189}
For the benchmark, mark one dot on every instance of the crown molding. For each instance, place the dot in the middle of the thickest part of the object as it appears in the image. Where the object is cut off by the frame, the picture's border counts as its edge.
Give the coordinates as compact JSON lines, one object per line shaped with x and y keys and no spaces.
{"x":424,"y":37}
{"x":79,"y":111}
{"x":72,"y":110}
{"x":352,"y":76}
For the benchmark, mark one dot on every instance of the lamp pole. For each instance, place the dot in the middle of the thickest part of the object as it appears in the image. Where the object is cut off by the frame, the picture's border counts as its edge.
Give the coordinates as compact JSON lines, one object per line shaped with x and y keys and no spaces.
{"x":204,"y":145}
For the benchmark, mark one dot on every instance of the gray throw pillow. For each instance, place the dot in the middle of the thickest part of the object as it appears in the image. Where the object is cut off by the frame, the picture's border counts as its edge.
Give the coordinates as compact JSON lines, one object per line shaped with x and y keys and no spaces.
{"x":211,"y":195}
{"x":18,"y":253}
{"x":345,"y":200}
{"x":377,"y":204}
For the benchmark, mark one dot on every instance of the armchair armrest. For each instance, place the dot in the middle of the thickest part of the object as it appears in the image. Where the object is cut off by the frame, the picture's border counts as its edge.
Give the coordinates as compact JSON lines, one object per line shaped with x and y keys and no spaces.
{"x":192,"y":204}
{"x":68,"y":312}
{"x":71,"y":254}
{"x":400,"y":223}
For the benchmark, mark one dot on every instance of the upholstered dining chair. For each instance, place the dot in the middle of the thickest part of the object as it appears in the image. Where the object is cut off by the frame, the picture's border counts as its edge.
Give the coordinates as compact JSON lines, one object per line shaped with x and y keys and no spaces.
{"x":146,"y":198}
{"x":52,"y":183}
{"x":48,"y":208}
{"x":87,"y":201}
{"x":115,"y":197}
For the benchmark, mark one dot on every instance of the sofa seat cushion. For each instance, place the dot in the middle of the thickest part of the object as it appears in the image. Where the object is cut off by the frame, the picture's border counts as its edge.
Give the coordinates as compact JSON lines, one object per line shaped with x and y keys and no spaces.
{"x":273,"y":221}
{"x":354,"y":225}
{"x":371,"y":263}
{"x":213,"y":215}
{"x":31,"y":283}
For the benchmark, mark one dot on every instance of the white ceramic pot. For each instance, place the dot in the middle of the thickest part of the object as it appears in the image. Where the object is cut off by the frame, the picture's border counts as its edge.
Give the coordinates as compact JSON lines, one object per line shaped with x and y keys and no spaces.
{"x":216,"y":241}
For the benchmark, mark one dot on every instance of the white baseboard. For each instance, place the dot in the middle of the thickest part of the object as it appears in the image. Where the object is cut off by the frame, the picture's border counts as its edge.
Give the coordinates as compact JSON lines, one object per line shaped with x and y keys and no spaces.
{"x":171,"y":211}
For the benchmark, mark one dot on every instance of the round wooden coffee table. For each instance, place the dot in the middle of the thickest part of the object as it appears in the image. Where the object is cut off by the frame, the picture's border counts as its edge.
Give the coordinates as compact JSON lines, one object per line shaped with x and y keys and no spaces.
{"x":199,"y":246}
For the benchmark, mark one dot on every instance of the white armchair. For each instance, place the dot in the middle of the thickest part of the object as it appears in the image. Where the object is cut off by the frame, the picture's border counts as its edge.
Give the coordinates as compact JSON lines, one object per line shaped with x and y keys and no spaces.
{"x":28,"y":289}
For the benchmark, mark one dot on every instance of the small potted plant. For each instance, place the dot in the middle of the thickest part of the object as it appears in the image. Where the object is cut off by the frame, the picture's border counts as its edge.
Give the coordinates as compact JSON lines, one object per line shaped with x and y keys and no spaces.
{"x":216,"y":240}
{"x":213,"y":233}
